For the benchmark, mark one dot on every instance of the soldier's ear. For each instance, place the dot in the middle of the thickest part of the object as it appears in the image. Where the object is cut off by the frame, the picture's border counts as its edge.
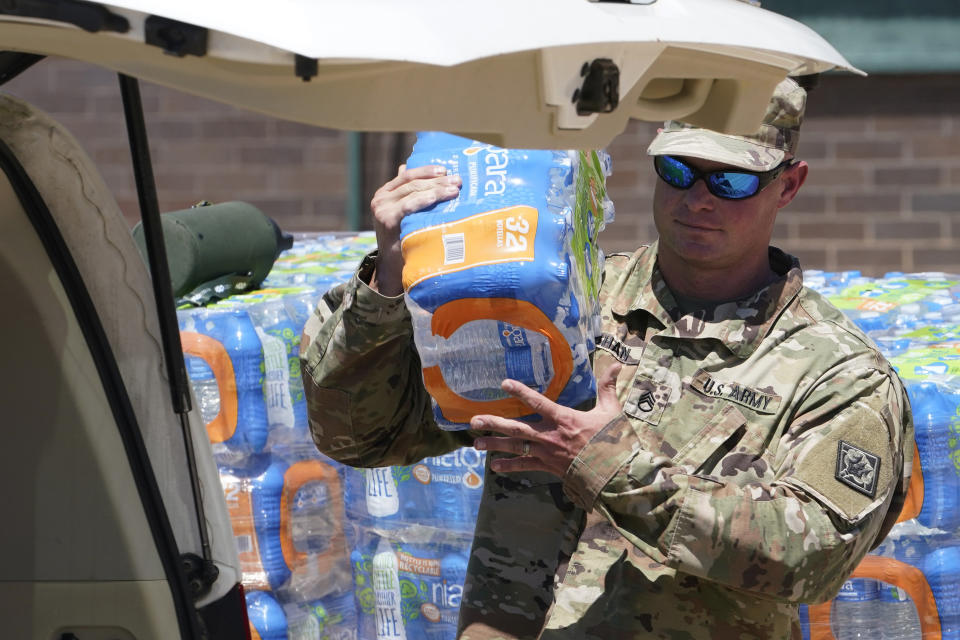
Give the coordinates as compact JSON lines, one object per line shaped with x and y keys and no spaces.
{"x":790,"y":182}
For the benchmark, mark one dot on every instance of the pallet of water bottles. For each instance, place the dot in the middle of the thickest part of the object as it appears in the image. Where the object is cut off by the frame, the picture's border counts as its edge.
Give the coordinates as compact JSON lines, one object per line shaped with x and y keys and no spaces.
{"x":332,"y":552}
{"x":326,"y":551}
{"x":909,"y":587}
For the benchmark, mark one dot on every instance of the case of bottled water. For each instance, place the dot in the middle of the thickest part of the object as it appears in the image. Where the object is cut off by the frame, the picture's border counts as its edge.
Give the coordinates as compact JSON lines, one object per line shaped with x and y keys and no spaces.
{"x":409,"y":584}
{"x":288,"y":524}
{"x":501,"y":281}
{"x":441,"y":491}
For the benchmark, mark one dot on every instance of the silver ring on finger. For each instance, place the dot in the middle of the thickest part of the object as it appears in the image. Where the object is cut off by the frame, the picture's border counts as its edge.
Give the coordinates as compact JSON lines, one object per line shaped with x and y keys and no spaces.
{"x":525,"y":450}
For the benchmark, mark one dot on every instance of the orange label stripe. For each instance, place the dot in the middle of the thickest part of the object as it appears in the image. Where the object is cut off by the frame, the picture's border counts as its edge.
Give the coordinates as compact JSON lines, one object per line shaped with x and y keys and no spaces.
{"x":491,"y":237}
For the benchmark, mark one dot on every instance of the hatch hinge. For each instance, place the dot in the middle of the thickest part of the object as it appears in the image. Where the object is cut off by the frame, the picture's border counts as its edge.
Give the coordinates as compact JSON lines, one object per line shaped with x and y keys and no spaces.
{"x":176,"y":38}
{"x":89,"y":16}
{"x":600,"y":91}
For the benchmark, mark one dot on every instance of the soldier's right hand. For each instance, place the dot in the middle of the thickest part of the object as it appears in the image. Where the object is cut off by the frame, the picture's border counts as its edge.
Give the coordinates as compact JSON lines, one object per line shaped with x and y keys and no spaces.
{"x":411,"y":191}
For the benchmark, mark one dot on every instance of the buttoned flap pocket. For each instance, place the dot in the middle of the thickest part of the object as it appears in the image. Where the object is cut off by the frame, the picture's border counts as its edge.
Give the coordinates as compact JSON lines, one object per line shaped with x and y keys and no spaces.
{"x":646,"y":399}
{"x":724,"y":432}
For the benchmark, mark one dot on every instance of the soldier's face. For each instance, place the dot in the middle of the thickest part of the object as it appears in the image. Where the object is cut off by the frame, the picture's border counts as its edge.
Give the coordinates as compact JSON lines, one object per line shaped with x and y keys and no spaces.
{"x":702,"y":231}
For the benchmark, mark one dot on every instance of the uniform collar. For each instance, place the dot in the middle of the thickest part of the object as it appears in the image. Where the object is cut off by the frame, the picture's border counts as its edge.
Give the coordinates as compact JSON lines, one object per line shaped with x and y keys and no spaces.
{"x":740,"y":325}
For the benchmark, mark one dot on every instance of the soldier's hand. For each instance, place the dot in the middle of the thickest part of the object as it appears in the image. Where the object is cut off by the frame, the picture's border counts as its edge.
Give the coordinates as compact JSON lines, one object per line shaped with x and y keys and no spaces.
{"x":552,"y":443}
{"x":412,"y":190}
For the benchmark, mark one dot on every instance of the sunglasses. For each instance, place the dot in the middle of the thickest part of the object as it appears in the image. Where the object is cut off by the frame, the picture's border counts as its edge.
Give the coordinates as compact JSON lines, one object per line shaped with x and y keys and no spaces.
{"x":729,"y":184}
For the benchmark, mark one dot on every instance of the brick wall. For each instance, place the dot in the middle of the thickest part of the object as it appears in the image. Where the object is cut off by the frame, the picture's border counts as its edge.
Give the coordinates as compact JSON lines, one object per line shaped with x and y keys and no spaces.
{"x":883,"y":192}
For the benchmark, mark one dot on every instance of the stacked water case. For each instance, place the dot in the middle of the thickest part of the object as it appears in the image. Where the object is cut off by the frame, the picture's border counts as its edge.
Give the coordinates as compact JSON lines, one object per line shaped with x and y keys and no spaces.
{"x":910,"y":586}
{"x":317,"y":540}
{"x":411,"y":529}
{"x":285,"y":498}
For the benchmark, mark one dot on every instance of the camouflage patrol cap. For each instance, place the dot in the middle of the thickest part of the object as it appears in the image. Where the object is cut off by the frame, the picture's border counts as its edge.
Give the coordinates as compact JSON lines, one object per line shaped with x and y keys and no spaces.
{"x":775,"y":140}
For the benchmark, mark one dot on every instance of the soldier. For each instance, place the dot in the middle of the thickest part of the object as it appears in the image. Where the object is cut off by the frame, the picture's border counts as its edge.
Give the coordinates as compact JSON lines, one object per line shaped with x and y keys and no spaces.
{"x":746,"y":449}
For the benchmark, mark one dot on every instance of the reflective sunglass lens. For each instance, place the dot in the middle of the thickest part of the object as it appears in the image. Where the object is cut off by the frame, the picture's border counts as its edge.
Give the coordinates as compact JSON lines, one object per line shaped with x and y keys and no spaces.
{"x":733,"y":185}
{"x":674,"y":172}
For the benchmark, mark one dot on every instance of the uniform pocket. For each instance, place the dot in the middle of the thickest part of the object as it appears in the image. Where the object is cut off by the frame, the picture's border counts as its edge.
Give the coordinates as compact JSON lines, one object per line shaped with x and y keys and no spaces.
{"x":719,"y":436}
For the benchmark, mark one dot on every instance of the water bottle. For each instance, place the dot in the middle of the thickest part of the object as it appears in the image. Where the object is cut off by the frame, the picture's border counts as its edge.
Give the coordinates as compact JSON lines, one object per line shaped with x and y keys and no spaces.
{"x":276,"y":335}
{"x":803,"y":611}
{"x":286,"y":402}
{"x":255,"y":499}
{"x":374,"y":493}
{"x":266,"y":616}
{"x":266,"y":496}
{"x":942,"y":570}
{"x":938,"y":360}
{"x":871,"y":322}
{"x":453,"y":571}
{"x":238,"y":485}
{"x":202,"y":378}
{"x":300,"y":303}
{"x":204,"y":385}
{"x":440,"y":491}
{"x":935,"y":418}
{"x":227,"y":341}
{"x":409,"y":582}
{"x":333,"y":617}
{"x":451,"y":486}
{"x":855,"y":610}
{"x":470,"y":371}
{"x":385,"y":579}
{"x":438,"y":569}
{"x":898,"y":615}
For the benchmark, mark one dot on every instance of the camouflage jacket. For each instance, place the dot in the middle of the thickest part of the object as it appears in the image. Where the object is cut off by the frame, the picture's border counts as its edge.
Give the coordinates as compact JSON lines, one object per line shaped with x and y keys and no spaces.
{"x":759,"y":455}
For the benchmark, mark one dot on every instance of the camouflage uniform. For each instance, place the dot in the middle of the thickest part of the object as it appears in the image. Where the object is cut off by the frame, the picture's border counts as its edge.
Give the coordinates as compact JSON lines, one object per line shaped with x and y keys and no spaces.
{"x":759,"y":455}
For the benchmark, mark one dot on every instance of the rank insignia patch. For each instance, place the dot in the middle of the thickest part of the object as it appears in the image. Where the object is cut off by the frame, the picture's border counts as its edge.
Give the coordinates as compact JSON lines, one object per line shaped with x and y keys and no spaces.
{"x":646,"y":402}
{"x":858,"y":469}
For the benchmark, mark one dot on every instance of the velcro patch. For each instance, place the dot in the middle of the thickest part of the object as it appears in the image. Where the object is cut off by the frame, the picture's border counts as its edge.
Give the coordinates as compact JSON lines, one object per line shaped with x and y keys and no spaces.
{"x":754,"y":399}
{"x":829,"y":467}
{"x":646,"y":400}
{"x":858,"y":469}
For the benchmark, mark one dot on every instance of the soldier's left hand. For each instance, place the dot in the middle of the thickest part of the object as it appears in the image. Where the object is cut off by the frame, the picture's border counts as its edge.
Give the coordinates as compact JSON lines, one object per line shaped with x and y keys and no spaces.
{"x":551,"y":443}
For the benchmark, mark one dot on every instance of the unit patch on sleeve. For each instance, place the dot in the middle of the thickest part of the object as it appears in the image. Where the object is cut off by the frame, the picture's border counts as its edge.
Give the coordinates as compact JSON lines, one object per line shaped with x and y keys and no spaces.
{"x":858,"y":469}
{"x":759,"y":401}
